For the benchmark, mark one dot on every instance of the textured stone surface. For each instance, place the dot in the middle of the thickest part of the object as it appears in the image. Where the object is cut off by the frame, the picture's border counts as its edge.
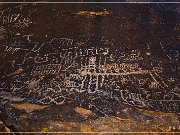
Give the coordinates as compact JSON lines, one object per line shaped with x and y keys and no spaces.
{"x":90,"y":67}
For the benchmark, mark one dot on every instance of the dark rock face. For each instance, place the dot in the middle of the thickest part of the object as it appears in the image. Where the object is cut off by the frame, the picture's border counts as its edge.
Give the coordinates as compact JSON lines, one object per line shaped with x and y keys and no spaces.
{"x":80,"y":62}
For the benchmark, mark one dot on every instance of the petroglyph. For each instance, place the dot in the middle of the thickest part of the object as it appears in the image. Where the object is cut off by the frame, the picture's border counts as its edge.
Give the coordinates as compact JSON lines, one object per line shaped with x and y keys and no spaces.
{"x":92,"y":71}
{"x":11,"y":49}
{"x":23,"y":23}
{"x":49,"y":69}
{"x":88,"y":68}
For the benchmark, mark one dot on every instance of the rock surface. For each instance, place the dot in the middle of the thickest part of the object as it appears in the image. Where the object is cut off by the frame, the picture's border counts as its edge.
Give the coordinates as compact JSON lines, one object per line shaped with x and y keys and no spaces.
{"x":90,"y":68}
